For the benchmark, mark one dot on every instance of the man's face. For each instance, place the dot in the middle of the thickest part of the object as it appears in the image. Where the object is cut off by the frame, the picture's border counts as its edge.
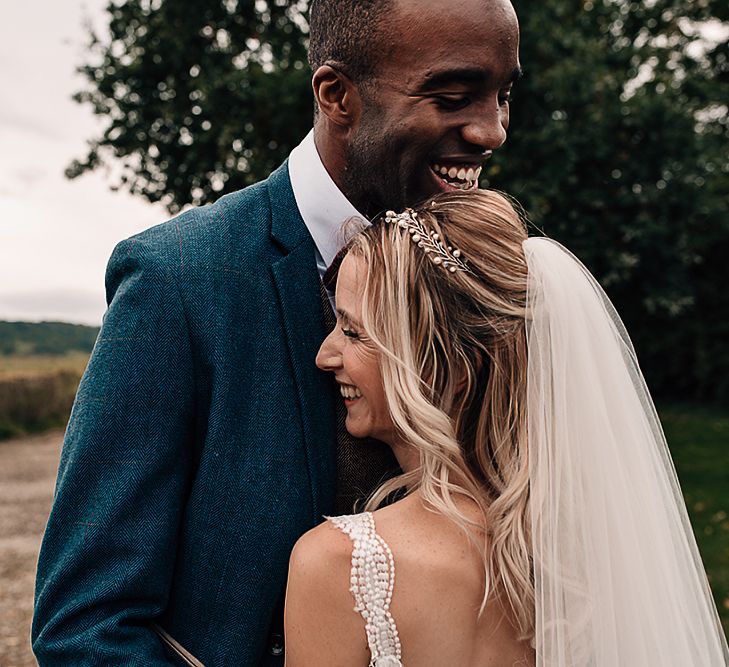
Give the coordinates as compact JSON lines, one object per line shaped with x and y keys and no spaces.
{"x":437,"y":106}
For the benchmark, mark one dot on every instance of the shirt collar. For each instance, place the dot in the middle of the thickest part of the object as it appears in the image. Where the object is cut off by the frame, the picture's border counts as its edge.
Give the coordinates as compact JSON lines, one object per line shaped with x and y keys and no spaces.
{"x":322,"y":205}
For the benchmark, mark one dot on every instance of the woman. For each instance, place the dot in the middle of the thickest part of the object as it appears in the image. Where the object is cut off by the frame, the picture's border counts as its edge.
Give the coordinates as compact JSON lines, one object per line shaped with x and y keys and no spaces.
{"x":539,"y":520}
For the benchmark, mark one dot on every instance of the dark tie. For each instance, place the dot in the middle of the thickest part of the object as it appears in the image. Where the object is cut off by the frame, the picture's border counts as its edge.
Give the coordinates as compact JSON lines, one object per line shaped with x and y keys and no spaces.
{"x":362,"y":463}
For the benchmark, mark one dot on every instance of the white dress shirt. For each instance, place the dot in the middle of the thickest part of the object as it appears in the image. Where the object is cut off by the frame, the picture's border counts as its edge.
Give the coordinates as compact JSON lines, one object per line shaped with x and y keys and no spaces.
{"x":321,"y":203}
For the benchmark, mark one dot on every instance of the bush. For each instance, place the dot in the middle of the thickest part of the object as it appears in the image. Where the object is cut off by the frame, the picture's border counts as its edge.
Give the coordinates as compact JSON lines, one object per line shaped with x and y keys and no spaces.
{"x":36,"y":402}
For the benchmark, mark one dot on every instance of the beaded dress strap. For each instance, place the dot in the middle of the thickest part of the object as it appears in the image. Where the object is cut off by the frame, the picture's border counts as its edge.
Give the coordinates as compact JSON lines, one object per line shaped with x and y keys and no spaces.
{"x":371,"y":582}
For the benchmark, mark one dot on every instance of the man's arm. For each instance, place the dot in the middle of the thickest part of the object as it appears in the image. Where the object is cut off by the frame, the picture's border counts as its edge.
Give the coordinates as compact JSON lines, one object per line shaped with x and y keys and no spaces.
{"x":108,"y":552}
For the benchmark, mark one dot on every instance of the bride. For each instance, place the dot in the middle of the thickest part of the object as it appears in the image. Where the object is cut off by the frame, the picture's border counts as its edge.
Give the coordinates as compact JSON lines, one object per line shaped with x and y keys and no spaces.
{"x":538,"y":519}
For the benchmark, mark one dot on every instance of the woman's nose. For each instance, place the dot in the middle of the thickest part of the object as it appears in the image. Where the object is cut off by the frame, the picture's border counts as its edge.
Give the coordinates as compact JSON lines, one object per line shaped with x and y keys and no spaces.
{"x":328,"y":358}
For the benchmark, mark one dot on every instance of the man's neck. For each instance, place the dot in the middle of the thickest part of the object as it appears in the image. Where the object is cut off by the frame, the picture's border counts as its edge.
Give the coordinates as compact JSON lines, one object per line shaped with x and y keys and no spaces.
{"x":334,"y":160}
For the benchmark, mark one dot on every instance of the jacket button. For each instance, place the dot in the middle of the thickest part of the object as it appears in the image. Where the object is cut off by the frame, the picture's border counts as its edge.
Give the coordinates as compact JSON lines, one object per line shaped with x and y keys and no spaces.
{"x":277,"y":644}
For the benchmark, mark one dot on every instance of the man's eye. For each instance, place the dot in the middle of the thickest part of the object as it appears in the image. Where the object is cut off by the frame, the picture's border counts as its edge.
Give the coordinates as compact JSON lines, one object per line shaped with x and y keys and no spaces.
{"x":349,"y":333}
{"x":452,"y":102}
{"x":505,"y":98}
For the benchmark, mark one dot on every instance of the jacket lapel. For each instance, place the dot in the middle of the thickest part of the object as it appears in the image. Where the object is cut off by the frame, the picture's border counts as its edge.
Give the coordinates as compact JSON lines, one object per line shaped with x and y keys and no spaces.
{"x":297,"y":282}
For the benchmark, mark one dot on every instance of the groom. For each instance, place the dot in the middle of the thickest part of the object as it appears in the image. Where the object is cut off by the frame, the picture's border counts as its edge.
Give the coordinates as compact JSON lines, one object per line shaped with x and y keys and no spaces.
{"x":203,"y":439}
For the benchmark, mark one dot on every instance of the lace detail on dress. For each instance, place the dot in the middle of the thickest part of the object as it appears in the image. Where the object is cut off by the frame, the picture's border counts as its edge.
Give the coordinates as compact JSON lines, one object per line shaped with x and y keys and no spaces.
{"x":372,"y":580}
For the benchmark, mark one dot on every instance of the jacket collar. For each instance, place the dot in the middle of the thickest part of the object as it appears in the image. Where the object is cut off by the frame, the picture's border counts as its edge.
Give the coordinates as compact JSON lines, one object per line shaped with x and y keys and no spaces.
{"x":287,"y":226}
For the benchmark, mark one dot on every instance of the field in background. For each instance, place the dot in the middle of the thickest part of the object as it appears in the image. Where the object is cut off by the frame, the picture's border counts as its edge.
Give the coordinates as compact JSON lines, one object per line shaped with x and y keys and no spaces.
{"x":37,"y":391}
{"x":41,"y":364}
{"x":14,"y":366}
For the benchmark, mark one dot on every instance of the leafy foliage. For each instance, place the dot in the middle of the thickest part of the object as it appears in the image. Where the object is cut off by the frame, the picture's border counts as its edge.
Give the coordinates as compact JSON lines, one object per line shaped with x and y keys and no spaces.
{"x":618,"y":148}
{"x":202,"y":96}
{"x":618,"y":144}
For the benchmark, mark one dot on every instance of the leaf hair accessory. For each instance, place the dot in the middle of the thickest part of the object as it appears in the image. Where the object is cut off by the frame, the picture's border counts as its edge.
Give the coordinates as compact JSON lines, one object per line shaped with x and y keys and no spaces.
{"x":433,"y":246}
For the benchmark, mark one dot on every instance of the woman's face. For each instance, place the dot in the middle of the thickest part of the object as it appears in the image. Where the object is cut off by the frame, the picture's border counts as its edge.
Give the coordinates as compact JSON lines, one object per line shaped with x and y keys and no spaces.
{"x":354,"y":359}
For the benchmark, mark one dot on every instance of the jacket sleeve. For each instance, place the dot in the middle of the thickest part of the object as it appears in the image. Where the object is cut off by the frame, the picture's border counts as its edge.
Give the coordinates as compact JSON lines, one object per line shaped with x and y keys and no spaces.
{"x":108,"y":552}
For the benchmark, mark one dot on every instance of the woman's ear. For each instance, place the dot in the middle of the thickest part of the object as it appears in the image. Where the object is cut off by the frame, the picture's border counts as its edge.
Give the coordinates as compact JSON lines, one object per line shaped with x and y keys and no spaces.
{"x":337,"y":96}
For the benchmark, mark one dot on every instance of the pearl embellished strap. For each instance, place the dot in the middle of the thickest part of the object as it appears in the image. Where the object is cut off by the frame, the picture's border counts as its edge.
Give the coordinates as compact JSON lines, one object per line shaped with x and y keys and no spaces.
{"x":372,"y":579}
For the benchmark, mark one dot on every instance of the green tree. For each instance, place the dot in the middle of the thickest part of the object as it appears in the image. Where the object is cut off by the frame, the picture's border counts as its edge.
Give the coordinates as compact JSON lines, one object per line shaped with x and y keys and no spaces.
{"x":618,"y":148}
{"x":618,"y":143}
{"x":202,"y":97}
{"x":53,"y":338}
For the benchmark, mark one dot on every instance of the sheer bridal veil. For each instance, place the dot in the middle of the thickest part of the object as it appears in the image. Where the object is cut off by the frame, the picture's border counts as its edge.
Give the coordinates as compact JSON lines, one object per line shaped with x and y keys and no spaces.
{"x":618,"y":577}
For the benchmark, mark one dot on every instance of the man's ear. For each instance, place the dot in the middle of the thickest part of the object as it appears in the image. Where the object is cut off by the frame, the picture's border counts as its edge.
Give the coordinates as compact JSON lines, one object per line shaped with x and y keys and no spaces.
{"x":337,"y":96}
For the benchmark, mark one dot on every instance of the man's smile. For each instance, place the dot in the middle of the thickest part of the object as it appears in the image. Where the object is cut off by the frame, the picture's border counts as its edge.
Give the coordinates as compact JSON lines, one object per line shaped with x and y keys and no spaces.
{"x":453,"y":174}
{"x":462,"y":177}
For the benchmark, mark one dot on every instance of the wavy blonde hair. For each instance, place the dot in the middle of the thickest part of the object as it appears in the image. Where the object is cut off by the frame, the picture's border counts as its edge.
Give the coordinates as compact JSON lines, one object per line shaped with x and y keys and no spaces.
{"x":453,"y":362}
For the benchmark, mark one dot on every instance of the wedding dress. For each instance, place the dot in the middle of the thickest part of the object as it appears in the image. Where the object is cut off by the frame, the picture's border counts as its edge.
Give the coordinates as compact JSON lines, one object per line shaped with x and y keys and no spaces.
{"x":371,"y":582}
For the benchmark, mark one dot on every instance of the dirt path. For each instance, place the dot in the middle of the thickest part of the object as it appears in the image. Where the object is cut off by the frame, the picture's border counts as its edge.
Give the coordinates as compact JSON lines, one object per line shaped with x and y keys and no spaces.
{"x":27,"y":476}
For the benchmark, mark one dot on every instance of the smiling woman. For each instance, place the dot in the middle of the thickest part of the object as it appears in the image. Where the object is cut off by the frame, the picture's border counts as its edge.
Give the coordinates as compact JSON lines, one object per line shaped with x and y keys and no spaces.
{"x":354,"y":359}
{"x":538,"y":518}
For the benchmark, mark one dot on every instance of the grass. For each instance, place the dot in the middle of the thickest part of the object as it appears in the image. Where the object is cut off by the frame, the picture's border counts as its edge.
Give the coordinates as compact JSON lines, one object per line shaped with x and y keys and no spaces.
{"x":37,"y":392}
{"x":698,"y":438}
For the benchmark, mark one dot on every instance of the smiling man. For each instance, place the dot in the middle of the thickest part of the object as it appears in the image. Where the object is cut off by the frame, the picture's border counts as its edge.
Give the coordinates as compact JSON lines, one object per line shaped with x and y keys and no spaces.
{"x":422,"y":105}
{"x":204,"y":441}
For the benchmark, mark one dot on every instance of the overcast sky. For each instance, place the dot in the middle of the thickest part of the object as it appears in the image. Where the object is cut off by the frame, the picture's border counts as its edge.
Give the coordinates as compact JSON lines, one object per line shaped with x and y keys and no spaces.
{"x":55,"y":235}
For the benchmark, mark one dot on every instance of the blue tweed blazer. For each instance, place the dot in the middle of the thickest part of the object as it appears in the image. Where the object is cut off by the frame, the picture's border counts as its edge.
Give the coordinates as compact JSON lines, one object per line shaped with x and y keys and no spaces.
{"x":200,"y":447}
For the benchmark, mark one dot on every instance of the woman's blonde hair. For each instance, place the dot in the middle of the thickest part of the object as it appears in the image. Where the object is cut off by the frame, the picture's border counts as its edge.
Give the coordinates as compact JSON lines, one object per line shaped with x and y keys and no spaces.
{"x":453,"y":362}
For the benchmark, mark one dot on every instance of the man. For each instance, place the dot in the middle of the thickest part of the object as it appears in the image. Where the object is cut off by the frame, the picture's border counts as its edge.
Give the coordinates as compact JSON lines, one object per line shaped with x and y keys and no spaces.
{"x":202,"y":442}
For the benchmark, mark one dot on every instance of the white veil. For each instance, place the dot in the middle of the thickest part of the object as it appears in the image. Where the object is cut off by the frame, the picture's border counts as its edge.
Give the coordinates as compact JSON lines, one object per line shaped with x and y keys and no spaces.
{"x":618,"y":577}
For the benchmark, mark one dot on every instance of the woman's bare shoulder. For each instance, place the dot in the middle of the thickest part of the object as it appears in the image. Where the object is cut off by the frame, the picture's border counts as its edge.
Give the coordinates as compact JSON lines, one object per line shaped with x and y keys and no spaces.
{"x":439,"y":583}
{"x":414,"y":527}
{"x":430,"y":547}
{"x":320,"y":548}
{"x":320,"y":622}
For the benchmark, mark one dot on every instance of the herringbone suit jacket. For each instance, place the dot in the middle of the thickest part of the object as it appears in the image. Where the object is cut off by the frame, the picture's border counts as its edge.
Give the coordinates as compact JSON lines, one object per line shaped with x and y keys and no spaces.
{"x":200,"y":446}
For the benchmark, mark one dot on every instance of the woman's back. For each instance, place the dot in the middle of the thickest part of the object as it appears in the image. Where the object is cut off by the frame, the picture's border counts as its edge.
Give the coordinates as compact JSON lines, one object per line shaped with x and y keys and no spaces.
{"x":439,"y":583}
{"x":438,"y":588}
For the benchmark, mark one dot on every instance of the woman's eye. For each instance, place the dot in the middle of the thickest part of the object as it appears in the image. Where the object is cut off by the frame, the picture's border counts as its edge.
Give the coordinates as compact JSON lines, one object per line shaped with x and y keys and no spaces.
{"x":349,"y":333}
{"x":452,"y":102}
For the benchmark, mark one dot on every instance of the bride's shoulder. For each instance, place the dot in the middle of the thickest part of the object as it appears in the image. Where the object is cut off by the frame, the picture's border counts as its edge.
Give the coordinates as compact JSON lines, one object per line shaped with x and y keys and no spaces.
{"x":322,"y":557}
{"x":321,"y":625}
{"x":426,"y":543}
{"x":321,"y":549}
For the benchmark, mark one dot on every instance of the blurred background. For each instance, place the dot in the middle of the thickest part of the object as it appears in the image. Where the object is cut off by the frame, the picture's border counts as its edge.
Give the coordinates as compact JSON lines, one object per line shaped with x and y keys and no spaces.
{"x":116,"y":115}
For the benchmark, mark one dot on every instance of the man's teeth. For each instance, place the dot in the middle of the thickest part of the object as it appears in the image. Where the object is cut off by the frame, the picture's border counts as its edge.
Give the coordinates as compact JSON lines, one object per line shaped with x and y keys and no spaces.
{"x":348,"y":391}
{"x":462,"y":177}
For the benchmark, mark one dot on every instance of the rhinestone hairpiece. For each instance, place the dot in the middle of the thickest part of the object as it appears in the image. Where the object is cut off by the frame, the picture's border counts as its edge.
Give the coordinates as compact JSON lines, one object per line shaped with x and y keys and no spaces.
{"x":432,"y":244}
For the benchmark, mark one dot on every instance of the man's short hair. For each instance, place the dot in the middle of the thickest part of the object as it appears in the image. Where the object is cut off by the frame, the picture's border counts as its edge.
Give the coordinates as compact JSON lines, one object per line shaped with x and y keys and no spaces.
{"x":347,"y":33}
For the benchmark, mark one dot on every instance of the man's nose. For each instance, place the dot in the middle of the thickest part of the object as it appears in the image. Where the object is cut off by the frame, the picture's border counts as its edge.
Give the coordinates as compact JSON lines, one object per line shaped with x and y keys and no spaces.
{"x":487,"y":128}
{"x":328,"y":358}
